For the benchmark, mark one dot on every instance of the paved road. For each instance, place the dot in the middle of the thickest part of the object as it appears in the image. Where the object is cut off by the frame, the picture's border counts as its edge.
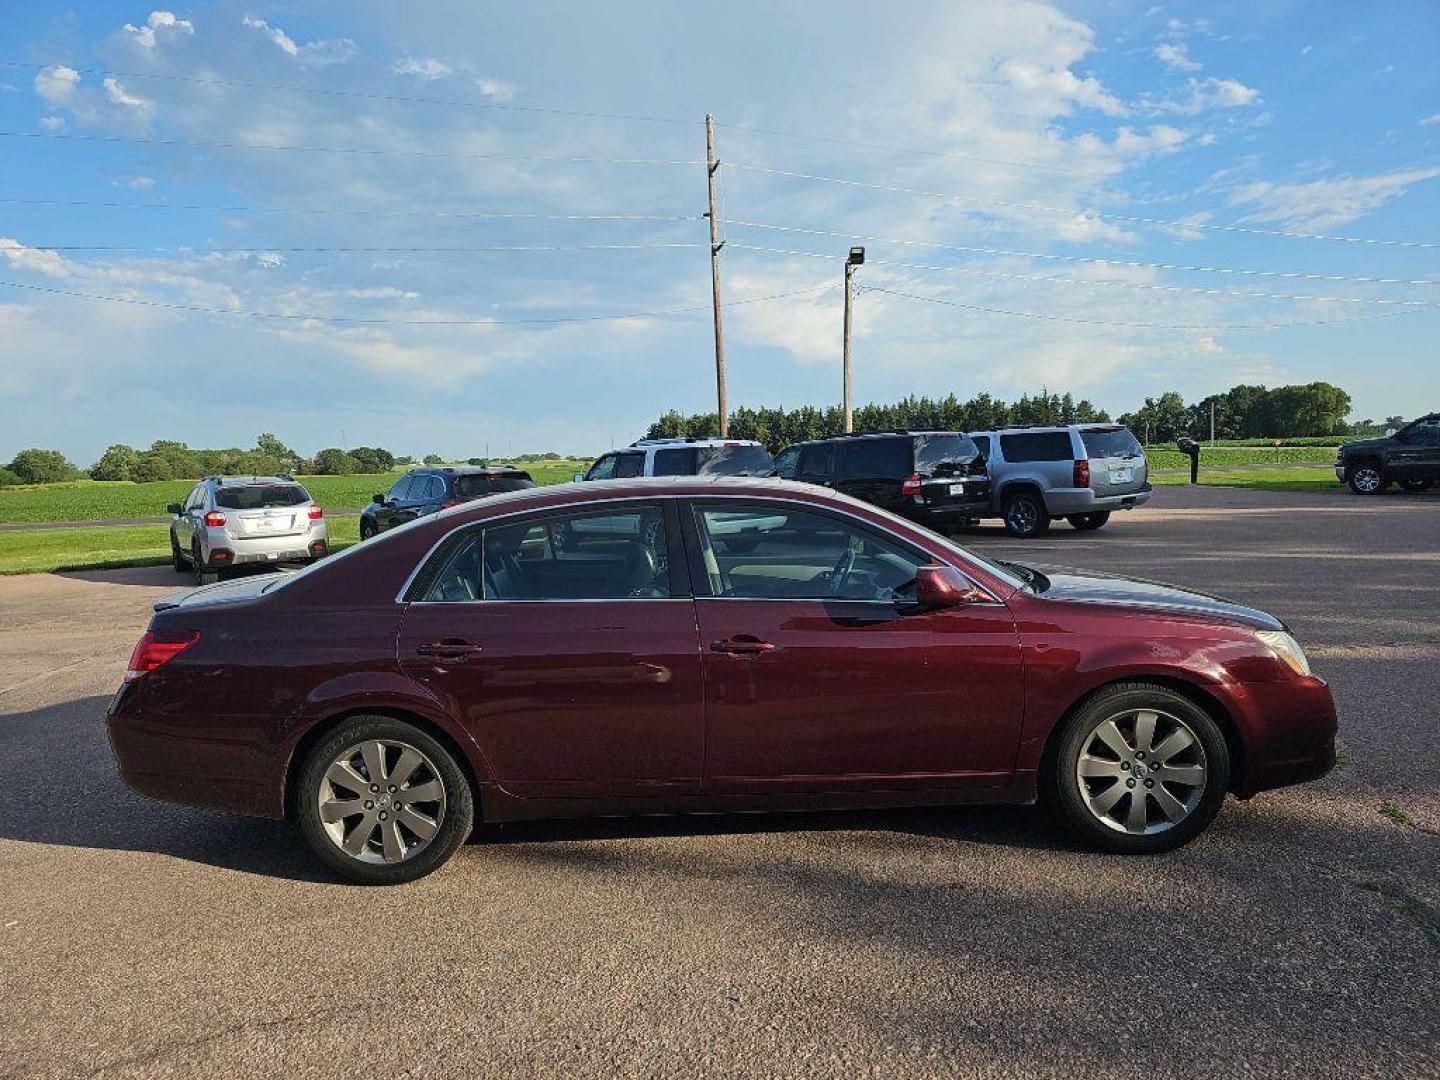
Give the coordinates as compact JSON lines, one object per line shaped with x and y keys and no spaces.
{"x":1298,"y":937}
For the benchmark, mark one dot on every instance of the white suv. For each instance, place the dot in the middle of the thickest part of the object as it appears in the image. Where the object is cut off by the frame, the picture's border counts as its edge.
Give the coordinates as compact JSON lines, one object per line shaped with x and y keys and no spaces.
{"x":683,"y":457}
{"x":228,"y":521}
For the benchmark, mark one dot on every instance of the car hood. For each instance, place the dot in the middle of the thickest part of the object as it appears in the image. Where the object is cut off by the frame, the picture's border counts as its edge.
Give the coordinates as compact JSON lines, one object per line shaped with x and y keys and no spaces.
{"x":1364,"y":444}
{"x":223,"y":592}
{"x":1089,"y":587}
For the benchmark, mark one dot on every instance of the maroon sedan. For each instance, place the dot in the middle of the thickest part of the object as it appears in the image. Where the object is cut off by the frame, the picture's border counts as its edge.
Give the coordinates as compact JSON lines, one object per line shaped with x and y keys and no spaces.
{"x":691,"y":645}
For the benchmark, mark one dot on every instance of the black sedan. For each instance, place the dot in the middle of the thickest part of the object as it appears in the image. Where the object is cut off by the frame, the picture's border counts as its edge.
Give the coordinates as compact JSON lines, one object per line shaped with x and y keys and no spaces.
{"x":424,"y":491}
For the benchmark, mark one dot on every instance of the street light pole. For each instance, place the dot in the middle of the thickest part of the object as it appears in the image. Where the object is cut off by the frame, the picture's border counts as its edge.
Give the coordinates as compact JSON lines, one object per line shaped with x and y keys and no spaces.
{"x":856,"y":258}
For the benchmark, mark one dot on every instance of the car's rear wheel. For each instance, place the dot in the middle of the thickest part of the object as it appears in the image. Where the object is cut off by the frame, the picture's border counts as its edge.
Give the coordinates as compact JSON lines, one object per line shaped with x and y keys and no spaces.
{"x":367,"y":529}
{"x":1089,"y":522}
{"x":1025,"y":514}
{"x":1139,"y":769}
{"x":177,"y":558}
{"x":381,"y":802}
{"x":1366,"y":479}
{"x":204,"y":575}
{"x":1414,"y":483}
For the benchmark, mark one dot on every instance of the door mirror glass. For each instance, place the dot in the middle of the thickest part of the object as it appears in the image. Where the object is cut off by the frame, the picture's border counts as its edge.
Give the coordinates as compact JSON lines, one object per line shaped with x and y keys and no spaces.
{"x":175,"y":508}
{"x":944,"y":587}
{"x":1389,"y":432}
{"x":578,"y":477}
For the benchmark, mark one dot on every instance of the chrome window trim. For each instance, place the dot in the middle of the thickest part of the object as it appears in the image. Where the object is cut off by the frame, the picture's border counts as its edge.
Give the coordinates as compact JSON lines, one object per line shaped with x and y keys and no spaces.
{"x":994,"y":600}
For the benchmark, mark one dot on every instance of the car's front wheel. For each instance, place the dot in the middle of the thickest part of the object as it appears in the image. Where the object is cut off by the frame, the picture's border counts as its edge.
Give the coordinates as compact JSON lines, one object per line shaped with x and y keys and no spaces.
{"x":367,"y":529}
{"x":1139,"y":769}
{"x":1089,"y":522}
{"x":381,"y":802}
{"x":1025,"y":514}
{"x":1415,"y":483}
{"x":1366,"y":479}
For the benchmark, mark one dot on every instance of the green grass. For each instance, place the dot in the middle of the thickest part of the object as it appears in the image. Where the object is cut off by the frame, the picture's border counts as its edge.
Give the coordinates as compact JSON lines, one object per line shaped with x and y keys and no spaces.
{"x":1219,"y":456}
{"x":97,"y":500}
{"x":1300,"y":479}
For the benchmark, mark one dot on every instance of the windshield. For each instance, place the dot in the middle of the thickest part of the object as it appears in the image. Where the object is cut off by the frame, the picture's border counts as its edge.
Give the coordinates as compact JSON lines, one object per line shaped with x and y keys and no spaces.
{"x":734,"y":461}
{"x":260,"y":496}
{"x":944,"y":453}
{"x":1110,"y":442}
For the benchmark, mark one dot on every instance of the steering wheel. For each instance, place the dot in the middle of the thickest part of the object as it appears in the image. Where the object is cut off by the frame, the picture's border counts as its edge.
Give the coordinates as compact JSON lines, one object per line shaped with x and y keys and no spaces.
{"x":840,"y":576}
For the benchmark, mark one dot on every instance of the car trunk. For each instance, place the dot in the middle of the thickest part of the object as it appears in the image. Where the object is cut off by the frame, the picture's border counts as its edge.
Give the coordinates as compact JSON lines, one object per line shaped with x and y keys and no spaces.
{"x":951,"y":470}
{"x":275,"y":521}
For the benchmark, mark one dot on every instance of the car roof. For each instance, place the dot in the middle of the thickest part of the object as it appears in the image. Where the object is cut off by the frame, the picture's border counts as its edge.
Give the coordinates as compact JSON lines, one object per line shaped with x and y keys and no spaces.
{"x":238,"y":481}
{"x":682,"y":441}
{"x":469,"y":470}
{"x":898,"y":433}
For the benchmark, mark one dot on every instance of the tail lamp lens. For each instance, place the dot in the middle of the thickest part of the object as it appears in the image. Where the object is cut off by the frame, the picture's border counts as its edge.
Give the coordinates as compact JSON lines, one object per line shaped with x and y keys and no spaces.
{"x":1082,"y":473}
{"x":158,"y":647}
{"x":316,"y":513}
{"x":911,"y":485}
{"x":214,"y":518}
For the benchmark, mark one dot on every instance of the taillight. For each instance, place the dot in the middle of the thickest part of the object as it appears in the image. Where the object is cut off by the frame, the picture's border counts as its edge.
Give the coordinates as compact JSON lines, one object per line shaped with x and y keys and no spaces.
{"x":158,"y":647}
{"x":447,"y":505}
{"x":214,"y":517}
{"x":910,"y":485}
{"x":1081,"y":476}
{"x":316,"y":513}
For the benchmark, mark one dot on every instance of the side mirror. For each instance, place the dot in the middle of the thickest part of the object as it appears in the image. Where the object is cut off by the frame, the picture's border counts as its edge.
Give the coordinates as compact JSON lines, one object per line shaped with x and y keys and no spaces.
{"x":1398,"y":436}
{"x":175,"y":508}
{"x":578,"y":477}
{"x":939,"y":587}
{"x":378,"y":498}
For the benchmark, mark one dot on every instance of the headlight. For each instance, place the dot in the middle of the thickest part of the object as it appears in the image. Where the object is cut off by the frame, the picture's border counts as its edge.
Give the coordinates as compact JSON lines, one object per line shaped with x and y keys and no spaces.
{"x":1286,"y":648}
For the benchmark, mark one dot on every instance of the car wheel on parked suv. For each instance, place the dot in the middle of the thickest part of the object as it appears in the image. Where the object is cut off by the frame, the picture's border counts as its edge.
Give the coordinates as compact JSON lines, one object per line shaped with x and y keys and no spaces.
{"x":1414,"y":483}
{"x":203,"y":575}
{"x":1366,"y":478}
{"x":1139,"y":769}
{"x":1089,"y":522}
{"x":177,"y":560}
{"x":381,"y":802}
{"x":1025,"y":514}
{"x":367,"y":530}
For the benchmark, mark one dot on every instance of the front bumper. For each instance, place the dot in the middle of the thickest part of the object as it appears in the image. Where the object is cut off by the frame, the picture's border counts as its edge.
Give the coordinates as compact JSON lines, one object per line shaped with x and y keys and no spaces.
{"x":1062,"y":502}
{"x":1340,"y":471}
{"x":1289,"y":733}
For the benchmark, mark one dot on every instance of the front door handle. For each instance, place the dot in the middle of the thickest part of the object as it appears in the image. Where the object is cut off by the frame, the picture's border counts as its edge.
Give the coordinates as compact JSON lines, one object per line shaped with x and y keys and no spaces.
{"x":742,"y":645}
{"x":449,"y":649}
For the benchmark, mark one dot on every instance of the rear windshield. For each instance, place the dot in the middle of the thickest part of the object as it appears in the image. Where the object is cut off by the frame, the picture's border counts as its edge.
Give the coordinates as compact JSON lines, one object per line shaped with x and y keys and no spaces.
{"x":943,"y":453}
{"x":259,"y":496}
{"x":1111,"y":442}
{"x":471,"y":485}
{"x":733,"y":461}
{"x":878,"y":458}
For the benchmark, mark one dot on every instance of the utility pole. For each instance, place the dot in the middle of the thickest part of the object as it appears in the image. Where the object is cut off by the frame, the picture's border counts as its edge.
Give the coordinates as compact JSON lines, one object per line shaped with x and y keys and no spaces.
{"x":1212,"y":421}
{"x":712,"y":167}
{"x":856,"y":258}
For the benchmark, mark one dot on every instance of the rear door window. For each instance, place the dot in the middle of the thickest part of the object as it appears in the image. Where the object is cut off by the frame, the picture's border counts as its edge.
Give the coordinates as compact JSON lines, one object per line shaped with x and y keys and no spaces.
{"x":630,"y":465}
{"x":434,"y":489}
{"x":982,"y":443}
{"x":938,"y":454}
{"x":817,"y":460}
{"x":734,"y":461}
{"x":677,"y":461}
{"x":400,"y":490}
{"x":261,"y":496}
{"x":1037,"y":446}
{"x":785,"y":463}
{"x":876,"y":459}
{"x":1111,"y":442}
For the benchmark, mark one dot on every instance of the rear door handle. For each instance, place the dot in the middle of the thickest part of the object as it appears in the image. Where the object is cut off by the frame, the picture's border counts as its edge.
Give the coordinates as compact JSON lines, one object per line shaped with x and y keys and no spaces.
{"x":449,"y":649}
{"x":742,"y":645}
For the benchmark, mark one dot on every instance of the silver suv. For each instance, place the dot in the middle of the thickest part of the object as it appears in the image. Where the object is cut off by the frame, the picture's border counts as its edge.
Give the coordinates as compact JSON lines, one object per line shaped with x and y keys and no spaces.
{"x":683,"y":457}
{"x":1079,"y":472}
{"x":228,"y":521}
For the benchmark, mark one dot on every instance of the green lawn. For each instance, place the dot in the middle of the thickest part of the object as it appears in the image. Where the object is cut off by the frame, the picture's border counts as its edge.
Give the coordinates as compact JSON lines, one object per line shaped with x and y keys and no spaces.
{"x":97,"y":500}
{"x":1299,"y":479}
{"x":1215,"y":457}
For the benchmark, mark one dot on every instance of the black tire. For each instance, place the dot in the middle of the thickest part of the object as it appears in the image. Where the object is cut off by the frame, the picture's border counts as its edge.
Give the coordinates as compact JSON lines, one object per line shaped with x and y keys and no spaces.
{"x":367,"y":530}
{"x":1025,"y":514}
{"x":456,"y":821}
{"x":1413,"y":484}
{"x":204,"y":575}
{"x":1366,"y":478}
{"x":1089,"y":522}
{"x":1061,"y":786}
{"x":177,"y":557}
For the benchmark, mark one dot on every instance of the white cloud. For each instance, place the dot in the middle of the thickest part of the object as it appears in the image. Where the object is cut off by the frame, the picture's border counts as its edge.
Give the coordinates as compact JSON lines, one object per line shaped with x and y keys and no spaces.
{"x":52,"y":123}
{"x":496,"y":89}
{"x":326,"y":51}
{"x":1324,"y":204}
{"x":118,"y":95}
{"x":144,"y":36}
{"x":20,"y":257}
{"x":1205,"y":94}
{"x":427,"y":68}
{"x":141,"y":183}
{"x":1056,"y":82}
{"x":56,"y":84}
{"x":1433,"y":118}
{"x":1174,"y":55}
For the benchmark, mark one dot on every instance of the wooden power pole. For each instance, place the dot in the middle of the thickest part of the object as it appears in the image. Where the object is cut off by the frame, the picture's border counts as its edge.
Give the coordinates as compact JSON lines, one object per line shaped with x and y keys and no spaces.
{"x":856,"y":258}
{"x":712,"y":167}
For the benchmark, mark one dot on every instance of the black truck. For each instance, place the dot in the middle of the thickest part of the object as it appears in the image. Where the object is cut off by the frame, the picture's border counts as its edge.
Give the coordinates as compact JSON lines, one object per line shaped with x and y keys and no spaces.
{"x":1409,"y":457}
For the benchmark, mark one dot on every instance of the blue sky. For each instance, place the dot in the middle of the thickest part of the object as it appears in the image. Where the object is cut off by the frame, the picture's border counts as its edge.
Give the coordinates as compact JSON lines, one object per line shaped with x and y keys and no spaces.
{"x":999,"y":155}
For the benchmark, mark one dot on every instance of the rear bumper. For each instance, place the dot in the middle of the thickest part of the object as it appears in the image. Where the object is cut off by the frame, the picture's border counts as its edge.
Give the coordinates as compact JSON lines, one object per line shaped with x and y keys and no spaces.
{"x":271,"y":549}
{"x":1062,"y":502}
{"x":1289,"y":731}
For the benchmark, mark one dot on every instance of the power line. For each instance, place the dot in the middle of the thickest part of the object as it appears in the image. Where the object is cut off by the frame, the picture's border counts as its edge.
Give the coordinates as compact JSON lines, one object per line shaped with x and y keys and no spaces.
{"x":378,"y":321}
{"x":1170,"y":223}
{"x":368,"y":249}
{"x":362,"y":94}
{"x":1100,"y":282}
{"x":1136,"y":325}
{"x":1128,"y":263}
{"x":354,"y":150}
{"x":36,"y":200}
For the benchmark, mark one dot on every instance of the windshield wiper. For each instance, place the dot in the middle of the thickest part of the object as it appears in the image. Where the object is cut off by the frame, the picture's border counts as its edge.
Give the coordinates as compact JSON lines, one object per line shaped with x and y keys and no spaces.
{"x":1034,"y":580}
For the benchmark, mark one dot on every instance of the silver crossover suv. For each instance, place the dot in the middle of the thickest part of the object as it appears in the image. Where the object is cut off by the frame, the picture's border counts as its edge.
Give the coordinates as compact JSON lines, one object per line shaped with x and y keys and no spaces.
{"x":1079,"y":472}
{"x":229,"y":521}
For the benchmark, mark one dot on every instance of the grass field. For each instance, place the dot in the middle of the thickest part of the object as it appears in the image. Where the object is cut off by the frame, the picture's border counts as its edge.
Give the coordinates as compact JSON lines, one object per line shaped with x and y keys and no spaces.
{"x":1221,"y":456}
{"x":1299,"y":479}
{"x":98,"y":500}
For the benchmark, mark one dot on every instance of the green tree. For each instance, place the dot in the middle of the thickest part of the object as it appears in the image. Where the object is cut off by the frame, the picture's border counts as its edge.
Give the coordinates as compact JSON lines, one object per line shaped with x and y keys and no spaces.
{"x":269,"y":446}
{"x":332,"y":461}
{"x":8,"y":478}
{"x":372,"y":459}
{"x":42,"y":467}
{"x":117,"y":463}
{"x":434,"y":459}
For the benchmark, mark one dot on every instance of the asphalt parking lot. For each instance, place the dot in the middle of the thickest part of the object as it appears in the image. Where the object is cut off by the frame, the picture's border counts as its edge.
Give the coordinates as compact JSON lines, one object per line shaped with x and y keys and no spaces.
{"x":1299,"y":936}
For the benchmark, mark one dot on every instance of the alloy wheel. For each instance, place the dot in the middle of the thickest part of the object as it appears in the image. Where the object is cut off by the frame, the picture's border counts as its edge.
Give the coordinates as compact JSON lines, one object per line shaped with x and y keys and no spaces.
{"x":1142,"y":771}
{"x":1023,"y":516}
{"x":381,"y":801}
{"x":1366,"y":480}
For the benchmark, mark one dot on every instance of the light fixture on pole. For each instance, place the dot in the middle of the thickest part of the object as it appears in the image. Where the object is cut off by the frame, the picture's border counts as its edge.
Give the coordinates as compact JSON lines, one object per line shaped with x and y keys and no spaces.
{"x":856,"y":258}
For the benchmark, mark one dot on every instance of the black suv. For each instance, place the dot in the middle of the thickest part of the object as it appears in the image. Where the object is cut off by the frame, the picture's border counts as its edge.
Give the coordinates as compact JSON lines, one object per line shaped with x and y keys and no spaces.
{"x":1409,"y":457}
{"x":423,"y":491}
{"x":934,"y":477}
